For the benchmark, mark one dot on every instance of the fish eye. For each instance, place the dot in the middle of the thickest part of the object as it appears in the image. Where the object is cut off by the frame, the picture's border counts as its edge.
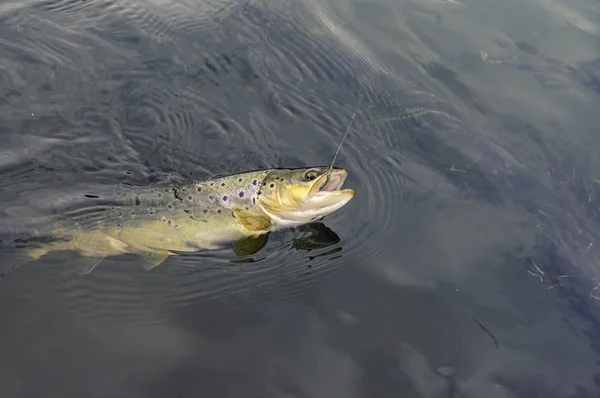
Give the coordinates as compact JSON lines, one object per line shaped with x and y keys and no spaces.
{"x":311,"y":174}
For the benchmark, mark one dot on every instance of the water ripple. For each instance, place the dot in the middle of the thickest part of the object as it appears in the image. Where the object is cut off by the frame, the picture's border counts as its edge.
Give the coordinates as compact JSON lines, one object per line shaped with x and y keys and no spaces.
{"x":258,"y":87}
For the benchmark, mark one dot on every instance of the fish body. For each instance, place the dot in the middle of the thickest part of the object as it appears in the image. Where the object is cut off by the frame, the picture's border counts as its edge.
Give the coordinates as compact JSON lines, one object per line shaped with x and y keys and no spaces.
{"x":199,"y":215}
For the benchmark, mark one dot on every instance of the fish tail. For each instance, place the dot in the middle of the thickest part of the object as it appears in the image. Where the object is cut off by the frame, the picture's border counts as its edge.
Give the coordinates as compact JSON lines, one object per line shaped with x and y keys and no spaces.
{"x":22,"y":257}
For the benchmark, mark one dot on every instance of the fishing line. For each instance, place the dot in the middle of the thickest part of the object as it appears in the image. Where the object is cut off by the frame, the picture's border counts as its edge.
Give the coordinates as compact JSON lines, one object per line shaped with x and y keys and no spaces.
{"x":346,"y":133}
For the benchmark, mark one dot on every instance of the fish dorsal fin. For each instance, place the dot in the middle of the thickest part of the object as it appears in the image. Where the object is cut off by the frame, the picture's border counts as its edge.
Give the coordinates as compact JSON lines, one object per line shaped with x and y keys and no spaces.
{"x":252,"y":221}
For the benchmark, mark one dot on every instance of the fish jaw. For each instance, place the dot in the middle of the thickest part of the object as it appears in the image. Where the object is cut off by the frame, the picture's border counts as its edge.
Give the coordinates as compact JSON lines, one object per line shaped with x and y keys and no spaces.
{"x":326,"y":196}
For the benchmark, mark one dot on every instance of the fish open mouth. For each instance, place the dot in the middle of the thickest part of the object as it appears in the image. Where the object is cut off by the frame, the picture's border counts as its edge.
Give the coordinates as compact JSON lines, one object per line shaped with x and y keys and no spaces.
{"x":331,"y":182}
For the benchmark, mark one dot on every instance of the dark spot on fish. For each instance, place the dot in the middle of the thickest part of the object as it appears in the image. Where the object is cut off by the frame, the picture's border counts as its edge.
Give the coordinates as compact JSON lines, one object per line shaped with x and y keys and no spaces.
{"x":204,"y":211}
{"x":225,"y":198}
{"x":240,"y":180}
{"x":258,"y":194}
{"x":222,"y":184}
{"x":120,"y":214}
{"x":264,"y":184}
{"x":159,"y":195}
{"x":177,"y":194}
{"x":199,"y":189}
{"x":92,"y":196}
{"x":176,"y":225}
{"x":254,"y":200}
{"x":219,"y":211}
{"x":277,"y":178}
{"x":241,"y":194}
{"x":169,"y":222}
{"x":137,"y":201}
{"x":271,"y":186}
{"x":246,"y":208}
{"x":254,"y":182}
{"x":190,"y":197}
{"x":170,"y":206}
{"x":211,"y":197}
{"x":212,"y":183}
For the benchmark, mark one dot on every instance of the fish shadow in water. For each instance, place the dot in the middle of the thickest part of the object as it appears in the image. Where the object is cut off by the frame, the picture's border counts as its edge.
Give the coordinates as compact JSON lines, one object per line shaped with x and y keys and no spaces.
{"x":308,"y":237}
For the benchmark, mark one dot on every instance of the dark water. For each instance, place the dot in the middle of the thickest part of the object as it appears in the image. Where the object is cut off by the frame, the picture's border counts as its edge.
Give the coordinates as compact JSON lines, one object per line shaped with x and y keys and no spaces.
{"x":466,"y":266}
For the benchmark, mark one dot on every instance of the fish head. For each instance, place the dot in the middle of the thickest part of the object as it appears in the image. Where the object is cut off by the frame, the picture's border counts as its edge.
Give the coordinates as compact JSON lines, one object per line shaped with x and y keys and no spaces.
{"x":299,"y":196}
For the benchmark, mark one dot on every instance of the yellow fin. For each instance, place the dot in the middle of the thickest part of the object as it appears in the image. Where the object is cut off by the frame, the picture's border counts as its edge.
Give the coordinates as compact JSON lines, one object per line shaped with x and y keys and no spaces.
{"x":153,"y":259}
{"x":251,"y":221}
{"x":86,"y":264}
{"x":251,"y":245}
{"x":24,"y":256}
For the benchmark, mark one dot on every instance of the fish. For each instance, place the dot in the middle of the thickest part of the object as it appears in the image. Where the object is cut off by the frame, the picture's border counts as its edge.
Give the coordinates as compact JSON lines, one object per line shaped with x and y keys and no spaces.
{"x":156,"y":222}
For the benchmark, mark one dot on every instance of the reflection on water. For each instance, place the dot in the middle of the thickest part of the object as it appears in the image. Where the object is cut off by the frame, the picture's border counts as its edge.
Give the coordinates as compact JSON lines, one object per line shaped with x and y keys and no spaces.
{"x":311,"y":237}
{"x":466,"y":265}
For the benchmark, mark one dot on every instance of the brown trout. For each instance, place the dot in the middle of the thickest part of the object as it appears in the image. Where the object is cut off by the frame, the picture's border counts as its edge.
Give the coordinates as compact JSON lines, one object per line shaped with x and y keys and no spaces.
{"x":202,"y":215}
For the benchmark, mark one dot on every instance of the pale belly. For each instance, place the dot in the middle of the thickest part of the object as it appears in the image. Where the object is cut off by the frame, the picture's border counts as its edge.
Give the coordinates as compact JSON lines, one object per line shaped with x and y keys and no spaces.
{"x":181,"y":235}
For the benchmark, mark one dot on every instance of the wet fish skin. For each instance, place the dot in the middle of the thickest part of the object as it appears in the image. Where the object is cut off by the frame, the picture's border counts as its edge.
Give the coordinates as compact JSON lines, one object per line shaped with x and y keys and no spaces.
{"x":157,"y":222}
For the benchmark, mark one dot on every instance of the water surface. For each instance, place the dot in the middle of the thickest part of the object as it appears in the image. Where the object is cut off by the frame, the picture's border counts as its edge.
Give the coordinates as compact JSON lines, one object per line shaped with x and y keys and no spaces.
{"x":466,"y":265}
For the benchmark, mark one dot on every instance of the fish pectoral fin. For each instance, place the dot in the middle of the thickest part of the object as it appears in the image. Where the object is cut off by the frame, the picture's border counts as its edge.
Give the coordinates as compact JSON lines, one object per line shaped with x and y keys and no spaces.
{"x":153,"y":259}
{"x":251,"y":221}
{"x":86,"y":264}
{"x":248,"y":246}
